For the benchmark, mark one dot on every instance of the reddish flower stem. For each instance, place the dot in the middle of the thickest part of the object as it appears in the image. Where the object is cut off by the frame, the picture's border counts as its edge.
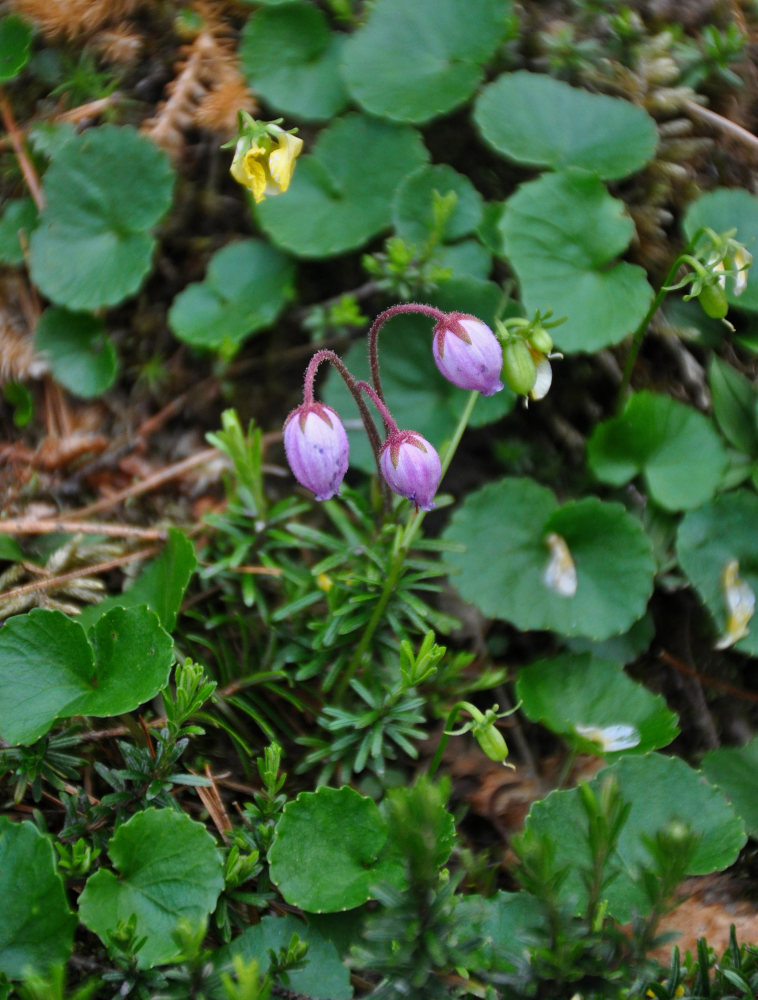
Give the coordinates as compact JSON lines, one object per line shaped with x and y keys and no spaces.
{"x":381,"y":319}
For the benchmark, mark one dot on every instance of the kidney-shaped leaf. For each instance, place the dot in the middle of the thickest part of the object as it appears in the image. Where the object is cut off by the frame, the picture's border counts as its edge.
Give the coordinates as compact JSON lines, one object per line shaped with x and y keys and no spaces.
{"x":37,"y":927}
{"x":659,"y":790}
{"x":168,"y":869}
{"x":514,"y":532}
{"x":327,"y":850}
{"x":413,"y":208}
{"x":674,"y":446}
{"x":49,"y":668}
{"x":291,"y":59}
{"x":160,"y":584}
{"x":735,"y":405}
{"x":324,"y":976}
{"x":414,"y":61}
{"x":105,"y":190}
{"x":595,"y":705}
{"x":735,"y":771}
{"x":247,"y":285}
{"x":82,"y":358}
{"x":562,"y":233}
{"x":535,"y":119}
{"x":341,"y":192}
{"x":711,"y":539}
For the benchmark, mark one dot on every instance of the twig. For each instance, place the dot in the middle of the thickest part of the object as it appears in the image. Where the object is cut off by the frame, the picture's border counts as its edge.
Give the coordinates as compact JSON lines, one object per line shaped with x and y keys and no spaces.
{"x":713,"y":682}
{"x":157,"y":479}
{"x":27,"y":169}
{"x":723,"y":124}
{"x":74,"y":574}
{"x":46,"y":526}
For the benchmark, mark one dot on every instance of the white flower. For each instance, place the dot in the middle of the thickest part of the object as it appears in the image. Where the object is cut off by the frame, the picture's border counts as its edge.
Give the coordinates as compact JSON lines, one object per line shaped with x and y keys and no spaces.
{"x":560,"y":572}
{"x":740,"y":605}
{"x":619,"y":736}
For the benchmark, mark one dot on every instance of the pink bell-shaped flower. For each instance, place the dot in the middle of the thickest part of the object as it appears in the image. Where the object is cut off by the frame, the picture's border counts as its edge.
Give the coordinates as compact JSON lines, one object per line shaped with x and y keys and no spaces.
{"x":317,"y":448}
{"x":468,"y":353}
{"x":411,"y":467}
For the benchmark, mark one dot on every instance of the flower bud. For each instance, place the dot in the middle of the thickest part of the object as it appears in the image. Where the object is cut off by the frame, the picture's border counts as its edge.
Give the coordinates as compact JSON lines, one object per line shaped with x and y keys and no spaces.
{"x":541,"y":340}
{"x":317,"y":448}
{"x":468,"y":353}
{"x":411,"y":467}
{"x":519,"y":368}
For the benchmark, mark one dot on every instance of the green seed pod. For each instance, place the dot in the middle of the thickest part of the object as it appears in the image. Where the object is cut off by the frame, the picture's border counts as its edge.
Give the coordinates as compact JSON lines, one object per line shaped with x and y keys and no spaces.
{"x":490,"y":739}
{"x":541,"y":340}
{"x":519,"y":369}
{"x":713,"y":300}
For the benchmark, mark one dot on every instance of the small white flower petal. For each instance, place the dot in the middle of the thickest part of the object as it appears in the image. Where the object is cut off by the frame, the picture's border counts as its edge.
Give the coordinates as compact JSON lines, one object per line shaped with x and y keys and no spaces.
{"x":740,"y":605}
{"x":543,"y":381}
{"x":560,"y":572}
{"x":610,"y":739}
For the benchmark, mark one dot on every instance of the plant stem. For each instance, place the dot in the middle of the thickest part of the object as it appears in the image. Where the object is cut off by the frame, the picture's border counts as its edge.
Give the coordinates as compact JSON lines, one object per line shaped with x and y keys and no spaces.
{"x":446,"y":734}
{"x":381,"y":319}
{"x":403,"y":540}
{"x":639,"y":333}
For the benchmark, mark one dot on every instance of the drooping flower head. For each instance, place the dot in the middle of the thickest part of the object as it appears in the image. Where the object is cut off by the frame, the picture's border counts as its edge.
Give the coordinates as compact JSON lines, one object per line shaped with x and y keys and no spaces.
{"x":468,"y":354}
{"x":411,"y":467}
{"x":264,"y":157}
{"x":317,"y":448}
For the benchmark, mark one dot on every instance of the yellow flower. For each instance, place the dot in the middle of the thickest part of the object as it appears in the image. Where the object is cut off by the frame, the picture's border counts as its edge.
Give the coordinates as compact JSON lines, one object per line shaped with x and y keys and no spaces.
{"x":265,"y":166}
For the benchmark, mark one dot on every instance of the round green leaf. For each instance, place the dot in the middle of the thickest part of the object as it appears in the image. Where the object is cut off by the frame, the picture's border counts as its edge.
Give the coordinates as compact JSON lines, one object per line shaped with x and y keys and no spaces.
{"x":49,"y":669}
{"x":673,"y":446}
{"x":413,"y":206}
{"x":105,"y":190}
{"x":418,"y":396}
{"x":45,"y":663}
{"x":132,"y":659}
{"x":291,"y":59}
{"x":467,"y":259}
{"x":412,"y":62}
{"x":20,"y":216}
{"x":540,"y":121}
{"x":37,"y":928}
{"x":504,"y":569}
{"x":734,"y":770}
{"x":322,"y":871}
{"x":340,"y":196}
{"x":711,"y":537}
{"x":659,"y":790}
{"x":81,"y":356}
{"x":247,"y":285}
{"x":562,"y":233}
{"x":160,"y":585}
{"x":722,"y":210}
{"x":15,"y":42}
{"x":168,"y":870}
{"x":576,"y":695}
{"x":324,"y":975}
{"x":734,"y":406}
